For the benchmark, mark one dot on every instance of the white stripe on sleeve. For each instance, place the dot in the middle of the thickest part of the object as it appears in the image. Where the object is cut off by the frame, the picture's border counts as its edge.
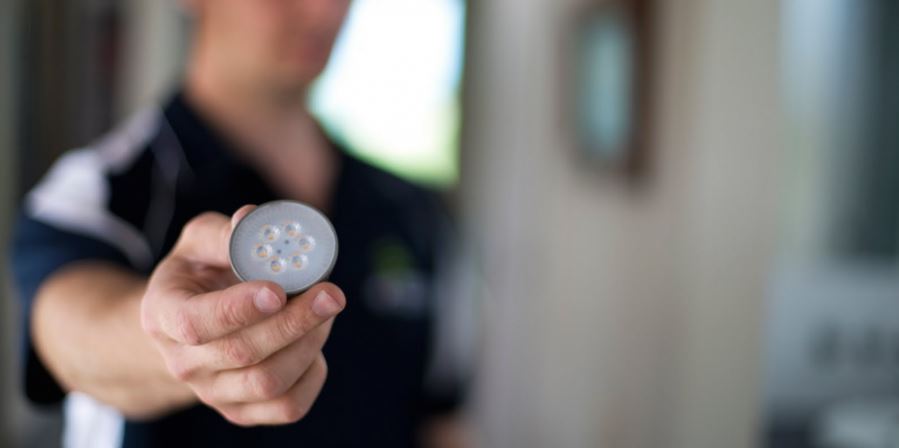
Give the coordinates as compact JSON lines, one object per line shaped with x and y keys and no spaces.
{"x":74,"y":195}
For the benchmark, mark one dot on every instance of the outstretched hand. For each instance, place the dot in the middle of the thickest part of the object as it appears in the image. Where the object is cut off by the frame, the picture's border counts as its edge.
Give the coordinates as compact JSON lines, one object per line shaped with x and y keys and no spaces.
{"x":241,"y":346}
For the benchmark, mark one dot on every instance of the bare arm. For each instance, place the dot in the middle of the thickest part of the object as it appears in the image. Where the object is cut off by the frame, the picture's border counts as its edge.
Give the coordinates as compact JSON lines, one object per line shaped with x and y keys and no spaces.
{"x":86,"y":328}
{"x":191,"y":332}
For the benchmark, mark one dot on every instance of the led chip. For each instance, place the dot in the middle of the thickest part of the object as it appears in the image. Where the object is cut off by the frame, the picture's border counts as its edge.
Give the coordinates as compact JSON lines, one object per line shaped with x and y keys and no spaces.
{"x":293,"y":229}
{"x":269,"y":233}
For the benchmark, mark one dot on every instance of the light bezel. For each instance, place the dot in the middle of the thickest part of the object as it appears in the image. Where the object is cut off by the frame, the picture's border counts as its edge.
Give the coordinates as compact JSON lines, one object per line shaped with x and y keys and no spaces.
{"x":233,"y":250}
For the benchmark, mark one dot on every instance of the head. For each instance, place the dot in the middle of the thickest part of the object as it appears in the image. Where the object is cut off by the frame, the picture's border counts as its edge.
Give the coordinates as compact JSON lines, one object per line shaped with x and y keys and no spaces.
{"x":281,"y":45}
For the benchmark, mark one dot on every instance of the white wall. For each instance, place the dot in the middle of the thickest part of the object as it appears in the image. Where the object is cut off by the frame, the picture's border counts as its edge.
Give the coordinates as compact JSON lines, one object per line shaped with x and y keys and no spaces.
{"x":8,"y":11}
{"x":20,"y":424}
{"x":620,"y":317}
{"x":12,"y":411}
{"x":733,"y":220}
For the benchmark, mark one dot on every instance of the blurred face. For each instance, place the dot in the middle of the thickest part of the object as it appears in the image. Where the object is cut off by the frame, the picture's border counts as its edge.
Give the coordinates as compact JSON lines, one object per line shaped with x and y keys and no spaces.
{"x":279,"y":44}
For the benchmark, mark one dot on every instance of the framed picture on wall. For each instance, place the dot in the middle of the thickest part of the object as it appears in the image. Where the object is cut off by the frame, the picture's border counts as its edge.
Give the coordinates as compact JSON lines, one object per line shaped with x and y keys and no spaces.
{"x":609,"y":84}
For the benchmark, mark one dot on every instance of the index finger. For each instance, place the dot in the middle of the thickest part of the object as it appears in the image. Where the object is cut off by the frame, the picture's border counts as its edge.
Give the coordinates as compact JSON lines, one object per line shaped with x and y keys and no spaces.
{"x":298,"y":318}
{"x":205,"y":317}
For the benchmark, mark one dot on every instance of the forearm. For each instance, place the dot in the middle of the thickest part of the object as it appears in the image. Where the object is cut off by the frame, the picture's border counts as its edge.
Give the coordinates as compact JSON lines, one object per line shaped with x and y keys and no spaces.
{"x":86,"y":329}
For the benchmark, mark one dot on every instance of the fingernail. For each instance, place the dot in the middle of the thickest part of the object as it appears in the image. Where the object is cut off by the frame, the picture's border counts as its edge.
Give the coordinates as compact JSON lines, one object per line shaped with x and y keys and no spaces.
{"x":267,"y":301}
{"x":324,"y":305}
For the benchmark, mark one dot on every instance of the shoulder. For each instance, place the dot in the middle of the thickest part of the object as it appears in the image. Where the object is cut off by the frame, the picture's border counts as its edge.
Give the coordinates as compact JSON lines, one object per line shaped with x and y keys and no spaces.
{"x":80,"y":173}
{"x":75,"y":193}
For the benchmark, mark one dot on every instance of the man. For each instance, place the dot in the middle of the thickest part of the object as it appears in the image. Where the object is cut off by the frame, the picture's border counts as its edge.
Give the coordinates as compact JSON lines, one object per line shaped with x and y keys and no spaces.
{"x":121,"y":259}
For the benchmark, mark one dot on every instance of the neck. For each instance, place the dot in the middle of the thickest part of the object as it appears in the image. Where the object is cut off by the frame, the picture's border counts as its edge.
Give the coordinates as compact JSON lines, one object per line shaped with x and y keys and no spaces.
{"x":272,"y":130}
{"x":248,"y":112}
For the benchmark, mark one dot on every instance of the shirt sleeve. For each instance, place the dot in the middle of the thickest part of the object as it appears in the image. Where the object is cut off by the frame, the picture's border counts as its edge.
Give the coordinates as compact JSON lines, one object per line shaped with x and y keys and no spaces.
{"x":38,"y":250}
{"x":64,"y":219}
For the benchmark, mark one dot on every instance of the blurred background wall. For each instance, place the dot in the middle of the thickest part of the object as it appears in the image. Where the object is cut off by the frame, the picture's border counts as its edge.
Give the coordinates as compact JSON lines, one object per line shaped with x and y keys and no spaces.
{"x":8,"y":27}
{"x":622,"y":316}
{"x":619,"y":314}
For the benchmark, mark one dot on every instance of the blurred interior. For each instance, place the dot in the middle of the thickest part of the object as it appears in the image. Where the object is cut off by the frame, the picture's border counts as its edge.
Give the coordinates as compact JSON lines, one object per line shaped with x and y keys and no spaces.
{"x":742,"y":292}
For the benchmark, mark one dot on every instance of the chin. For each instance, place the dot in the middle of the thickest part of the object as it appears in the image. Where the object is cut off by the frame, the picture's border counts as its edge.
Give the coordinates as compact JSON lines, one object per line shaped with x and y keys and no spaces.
{"x":291,"y":83}
{"x":297,"y":72}
{"x":304,"y":75}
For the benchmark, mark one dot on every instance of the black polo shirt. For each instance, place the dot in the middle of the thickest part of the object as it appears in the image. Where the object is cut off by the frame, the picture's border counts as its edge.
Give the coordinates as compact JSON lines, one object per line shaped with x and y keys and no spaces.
{"x":125,"y":199}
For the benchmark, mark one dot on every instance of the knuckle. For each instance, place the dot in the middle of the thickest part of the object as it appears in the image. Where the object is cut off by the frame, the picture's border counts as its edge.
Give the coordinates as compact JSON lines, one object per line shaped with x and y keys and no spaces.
{"x":197,"y":222}
{"x":206,"y":395}
{"x":149,"y":325}
{"x":185,"y":329}
{"x":290,"y":411}
{"x":239,"y":353}
{"x":190,"y":229}
{"x":231,"y":314}
{"x":235,"y":418}
{"x":181,"y":370}
{"x":321,"y":365}
{"x":194,"y":228}
{"x":264,"y":384}
{"x":292,"y":325}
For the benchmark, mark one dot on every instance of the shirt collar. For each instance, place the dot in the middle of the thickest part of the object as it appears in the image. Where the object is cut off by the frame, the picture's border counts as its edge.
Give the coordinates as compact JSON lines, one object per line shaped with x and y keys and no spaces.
{"x":214,"y":162}
{"x":204,"y":148}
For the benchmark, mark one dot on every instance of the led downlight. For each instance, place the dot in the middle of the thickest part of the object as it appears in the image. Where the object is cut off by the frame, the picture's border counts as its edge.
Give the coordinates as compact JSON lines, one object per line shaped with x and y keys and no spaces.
{"x":286,"y":242}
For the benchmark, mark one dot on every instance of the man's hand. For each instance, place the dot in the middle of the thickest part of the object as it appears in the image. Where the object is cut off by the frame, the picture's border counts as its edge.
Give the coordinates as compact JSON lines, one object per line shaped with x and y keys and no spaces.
{"x":241,"y":347}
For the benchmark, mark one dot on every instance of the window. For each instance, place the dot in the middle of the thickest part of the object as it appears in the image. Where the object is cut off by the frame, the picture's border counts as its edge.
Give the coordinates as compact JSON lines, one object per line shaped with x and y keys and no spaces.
{"x":391,"y":91}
